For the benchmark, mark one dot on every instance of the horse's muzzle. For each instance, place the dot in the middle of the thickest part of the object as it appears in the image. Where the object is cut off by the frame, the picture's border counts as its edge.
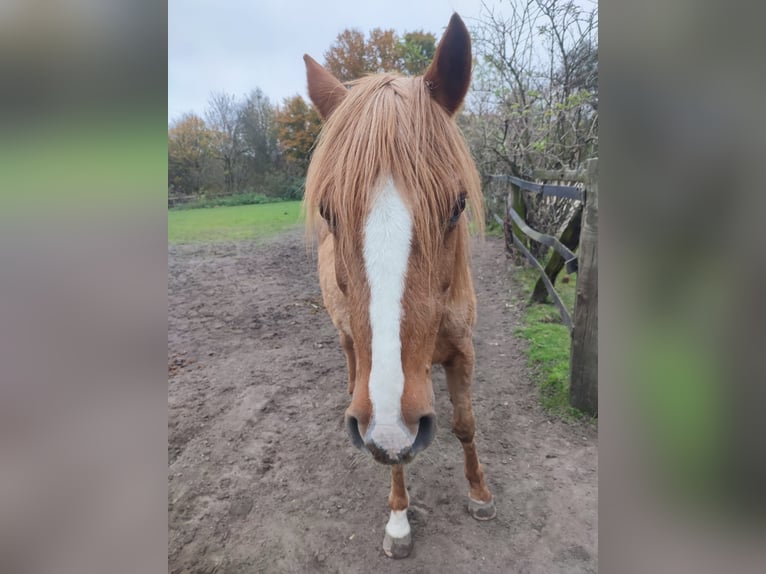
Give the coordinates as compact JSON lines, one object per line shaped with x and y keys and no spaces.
{"x":403,"y":455}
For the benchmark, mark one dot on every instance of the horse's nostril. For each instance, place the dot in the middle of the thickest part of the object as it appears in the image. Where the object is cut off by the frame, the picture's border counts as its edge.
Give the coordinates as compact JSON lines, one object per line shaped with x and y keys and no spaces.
{"x":353,"y":430}
{"x":426,"y":433}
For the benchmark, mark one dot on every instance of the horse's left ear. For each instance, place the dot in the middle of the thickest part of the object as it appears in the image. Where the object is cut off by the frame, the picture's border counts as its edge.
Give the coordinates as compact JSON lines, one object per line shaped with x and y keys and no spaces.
{"x":449,"y":75}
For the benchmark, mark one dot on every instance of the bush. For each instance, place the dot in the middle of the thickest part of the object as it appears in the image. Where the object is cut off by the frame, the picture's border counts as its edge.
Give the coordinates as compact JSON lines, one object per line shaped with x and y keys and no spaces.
{"x":272,"y":188}
{"x":235,"y":199}
{"x":282,"y":185}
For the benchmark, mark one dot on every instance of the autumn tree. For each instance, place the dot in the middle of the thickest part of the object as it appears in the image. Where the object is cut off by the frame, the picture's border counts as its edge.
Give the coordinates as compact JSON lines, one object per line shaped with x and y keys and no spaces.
{"x":190,"y":155}
{"x":352,"y":56}
{"x":251,"y":145}
{"x":234,"y":150}
{"x":298,"y":125}
{"x":347,"y":57}
{"x":384,"y":52}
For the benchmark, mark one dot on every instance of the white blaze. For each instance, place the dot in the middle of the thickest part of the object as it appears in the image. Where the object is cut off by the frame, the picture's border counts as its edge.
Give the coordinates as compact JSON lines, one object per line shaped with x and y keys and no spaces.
{"x":387,"y":237}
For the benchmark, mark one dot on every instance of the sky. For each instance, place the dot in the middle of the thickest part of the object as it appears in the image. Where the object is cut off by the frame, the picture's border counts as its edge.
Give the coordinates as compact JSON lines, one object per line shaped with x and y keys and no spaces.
{"x":236,"y":46}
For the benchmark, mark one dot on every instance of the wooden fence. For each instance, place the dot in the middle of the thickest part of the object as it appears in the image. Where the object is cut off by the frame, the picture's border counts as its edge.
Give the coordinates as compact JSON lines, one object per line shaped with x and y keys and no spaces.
{"x":583,"y":328}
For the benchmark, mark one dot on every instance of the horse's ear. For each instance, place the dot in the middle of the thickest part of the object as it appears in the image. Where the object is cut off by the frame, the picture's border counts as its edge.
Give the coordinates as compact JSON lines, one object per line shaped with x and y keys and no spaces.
{"x":449,"y":75}
{"x":325,"y":91}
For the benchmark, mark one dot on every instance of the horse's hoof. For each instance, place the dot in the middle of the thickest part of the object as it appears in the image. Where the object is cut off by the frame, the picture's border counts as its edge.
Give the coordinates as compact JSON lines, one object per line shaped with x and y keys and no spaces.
{"x":397,"y":547}
{"x":482,"y":510}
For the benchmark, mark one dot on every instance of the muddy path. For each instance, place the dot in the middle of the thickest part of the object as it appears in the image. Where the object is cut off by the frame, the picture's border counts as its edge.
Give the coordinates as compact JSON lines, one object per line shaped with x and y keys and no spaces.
{"x":262,"y":477}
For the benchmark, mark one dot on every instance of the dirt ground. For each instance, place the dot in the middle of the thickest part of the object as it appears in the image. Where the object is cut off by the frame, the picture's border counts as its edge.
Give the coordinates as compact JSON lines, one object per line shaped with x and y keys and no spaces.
{"x":263,"y":478}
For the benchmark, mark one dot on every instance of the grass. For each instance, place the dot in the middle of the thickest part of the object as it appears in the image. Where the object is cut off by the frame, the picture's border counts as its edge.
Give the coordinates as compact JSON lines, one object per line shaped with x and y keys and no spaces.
{"x":549,"y":342}
{"x":493,"y":229}
{"x":232,"y":223}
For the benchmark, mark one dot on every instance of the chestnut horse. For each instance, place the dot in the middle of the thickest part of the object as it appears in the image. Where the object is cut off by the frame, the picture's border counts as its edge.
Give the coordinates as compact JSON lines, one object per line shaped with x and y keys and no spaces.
{"x":388,"y":182}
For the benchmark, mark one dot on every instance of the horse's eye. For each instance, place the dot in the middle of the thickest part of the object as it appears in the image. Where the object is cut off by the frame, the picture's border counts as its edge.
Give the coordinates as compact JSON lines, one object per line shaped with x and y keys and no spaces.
{"x":327,"y":216}
{"x":457,"y":210}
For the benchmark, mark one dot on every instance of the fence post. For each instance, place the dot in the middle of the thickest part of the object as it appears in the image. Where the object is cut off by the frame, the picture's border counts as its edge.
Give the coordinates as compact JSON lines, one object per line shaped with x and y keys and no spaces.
{"x":515,"y":201}
{"x":583,"y":390}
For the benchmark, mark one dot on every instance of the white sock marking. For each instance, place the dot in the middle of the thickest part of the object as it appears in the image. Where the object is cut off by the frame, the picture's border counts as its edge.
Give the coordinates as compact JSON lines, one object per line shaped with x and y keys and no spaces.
{"x":398,"y":526}
{"x":387,"y":237}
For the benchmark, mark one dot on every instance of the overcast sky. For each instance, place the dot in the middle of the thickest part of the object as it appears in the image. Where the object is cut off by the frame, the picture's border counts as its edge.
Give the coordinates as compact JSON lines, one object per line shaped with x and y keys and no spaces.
{"x":238,"y":45}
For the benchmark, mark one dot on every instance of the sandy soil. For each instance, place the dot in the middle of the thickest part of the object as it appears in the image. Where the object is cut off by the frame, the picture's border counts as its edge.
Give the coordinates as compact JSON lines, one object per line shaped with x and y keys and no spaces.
{"x":263,"y":478}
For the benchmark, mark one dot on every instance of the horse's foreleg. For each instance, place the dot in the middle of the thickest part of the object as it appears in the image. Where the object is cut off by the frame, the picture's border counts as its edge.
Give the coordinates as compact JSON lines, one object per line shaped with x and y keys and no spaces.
{"x":348,"y":347}
{"x":397,"y":542}
{"x":459,"y":371}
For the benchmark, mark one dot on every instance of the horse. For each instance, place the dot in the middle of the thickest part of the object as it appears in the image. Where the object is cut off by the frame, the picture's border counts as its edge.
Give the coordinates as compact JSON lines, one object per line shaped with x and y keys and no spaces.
{"x":385,"y":196}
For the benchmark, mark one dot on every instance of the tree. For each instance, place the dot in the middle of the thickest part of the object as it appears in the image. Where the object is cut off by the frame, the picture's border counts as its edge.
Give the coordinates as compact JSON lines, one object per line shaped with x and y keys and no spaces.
{"x":537,"y":83}
{"x":298,"y":125}
{"x":351,"y":56}
{"x":383,"y":52}
{"x":417,"y":50}
{"x":224,"y":118}
{"x":347,"y":56}
{"x":190,"y":155}
{"x":251,"y":144}
{"x":534,"y":103}
{"x":258,"y":132}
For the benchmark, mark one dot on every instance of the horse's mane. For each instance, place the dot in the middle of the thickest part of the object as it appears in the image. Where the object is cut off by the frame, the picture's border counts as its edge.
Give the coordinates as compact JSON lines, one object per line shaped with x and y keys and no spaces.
{"x":389,"y":125}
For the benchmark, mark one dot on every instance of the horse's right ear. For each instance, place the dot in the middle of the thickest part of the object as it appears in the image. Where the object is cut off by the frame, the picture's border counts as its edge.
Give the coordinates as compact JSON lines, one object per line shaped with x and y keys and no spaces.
{"x":325,"y":91}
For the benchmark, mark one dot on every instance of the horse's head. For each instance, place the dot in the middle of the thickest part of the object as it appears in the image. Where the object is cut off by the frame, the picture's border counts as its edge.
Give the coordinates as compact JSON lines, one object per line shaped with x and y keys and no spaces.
{"x":389,"y":179}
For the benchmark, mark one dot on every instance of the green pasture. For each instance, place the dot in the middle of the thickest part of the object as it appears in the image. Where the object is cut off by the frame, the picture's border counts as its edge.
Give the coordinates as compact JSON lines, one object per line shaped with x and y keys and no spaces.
{"x":232,"y":223}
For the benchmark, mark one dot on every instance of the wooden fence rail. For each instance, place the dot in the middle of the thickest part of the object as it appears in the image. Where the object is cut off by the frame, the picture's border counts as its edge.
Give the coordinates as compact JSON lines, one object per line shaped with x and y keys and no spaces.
{"x":547,"y":189}
{"x":566,"y":318}
{"x":583,"y":390}
{"x":570,"y":258}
